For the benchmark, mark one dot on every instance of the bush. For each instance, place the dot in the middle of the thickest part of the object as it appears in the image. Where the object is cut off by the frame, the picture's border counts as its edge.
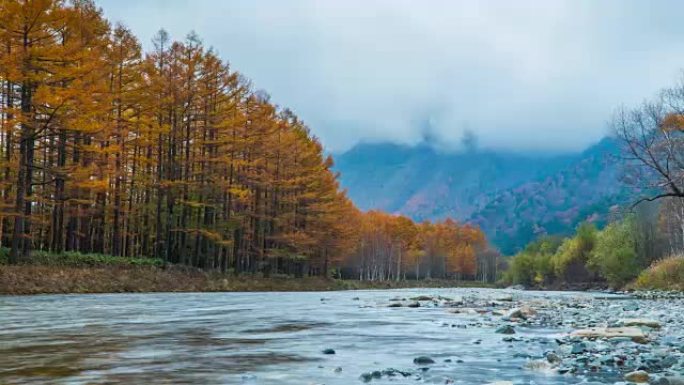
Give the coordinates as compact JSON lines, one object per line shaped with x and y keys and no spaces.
{"x":614,"y":255}
{"x":575,"y":250}
{"x":520,"y":270}
{"x":666,"y":274}
{"x":70,"y":258}
{"x":533,"y":265}
{"x":4,"y":255}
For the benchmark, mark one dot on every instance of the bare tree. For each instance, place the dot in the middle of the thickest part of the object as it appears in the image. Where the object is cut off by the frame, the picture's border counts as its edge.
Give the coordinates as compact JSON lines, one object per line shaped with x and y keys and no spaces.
{"x":653,"y":140}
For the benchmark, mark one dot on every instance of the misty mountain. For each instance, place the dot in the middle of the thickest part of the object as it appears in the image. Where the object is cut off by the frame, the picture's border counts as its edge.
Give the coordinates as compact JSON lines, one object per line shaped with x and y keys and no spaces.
{"x":513,"y":197}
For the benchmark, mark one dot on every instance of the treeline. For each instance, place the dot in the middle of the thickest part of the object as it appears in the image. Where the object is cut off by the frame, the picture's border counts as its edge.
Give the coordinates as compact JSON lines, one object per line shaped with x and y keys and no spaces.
{"x":644,"y":240}
{"x":171,"y":154}
{"x":168,"y":154}
{"x":390,"y":247}
{"x":615,"y":254}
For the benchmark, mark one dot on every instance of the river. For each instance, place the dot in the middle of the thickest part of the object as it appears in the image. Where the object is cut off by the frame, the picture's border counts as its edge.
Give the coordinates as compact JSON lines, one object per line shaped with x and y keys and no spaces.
{"x":278,"y":338}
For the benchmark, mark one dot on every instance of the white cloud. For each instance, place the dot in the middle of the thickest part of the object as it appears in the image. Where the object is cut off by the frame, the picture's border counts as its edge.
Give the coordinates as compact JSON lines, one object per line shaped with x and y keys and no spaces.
{"x":521,"y":75}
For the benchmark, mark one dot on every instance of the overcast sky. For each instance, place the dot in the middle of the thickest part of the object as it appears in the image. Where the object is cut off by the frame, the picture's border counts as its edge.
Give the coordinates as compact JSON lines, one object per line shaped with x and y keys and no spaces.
{"x":521,"y":75}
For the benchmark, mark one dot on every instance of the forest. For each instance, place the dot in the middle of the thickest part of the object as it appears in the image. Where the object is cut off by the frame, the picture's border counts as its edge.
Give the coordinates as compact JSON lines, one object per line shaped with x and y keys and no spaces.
{"x":175,"y":157}
{"x":642,"y":246}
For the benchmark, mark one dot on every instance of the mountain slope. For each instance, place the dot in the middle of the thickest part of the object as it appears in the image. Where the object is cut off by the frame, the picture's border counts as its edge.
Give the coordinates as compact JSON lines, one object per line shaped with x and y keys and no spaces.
{"x":512,"y":197}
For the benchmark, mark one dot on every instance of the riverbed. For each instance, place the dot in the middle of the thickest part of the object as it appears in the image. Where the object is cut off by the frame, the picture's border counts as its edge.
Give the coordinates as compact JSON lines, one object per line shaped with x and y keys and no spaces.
{"x":421,"y":336}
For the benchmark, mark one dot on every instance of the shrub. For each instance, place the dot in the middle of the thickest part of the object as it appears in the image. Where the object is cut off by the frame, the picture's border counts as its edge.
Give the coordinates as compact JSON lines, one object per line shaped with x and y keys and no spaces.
{"x":575,"y":250}
{"x":534,"y":264}
{"x":520,"y":270}
{"x":666,"y":274}
{"x":70,"y":258}
{"x":615,"y":256}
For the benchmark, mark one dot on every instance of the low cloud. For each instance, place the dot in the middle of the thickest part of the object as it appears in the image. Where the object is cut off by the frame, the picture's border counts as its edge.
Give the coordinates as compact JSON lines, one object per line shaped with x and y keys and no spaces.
{"x":524,"y":75}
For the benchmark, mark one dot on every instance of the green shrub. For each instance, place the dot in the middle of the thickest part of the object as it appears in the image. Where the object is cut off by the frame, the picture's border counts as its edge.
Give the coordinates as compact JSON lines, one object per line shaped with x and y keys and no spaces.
{"x":534,"y":264}
{"x":520,"y":270}
{"x":615,"y":256}
{"x":575,"y":249}
{"x":4,"y":255}
{"x":70,"y":258}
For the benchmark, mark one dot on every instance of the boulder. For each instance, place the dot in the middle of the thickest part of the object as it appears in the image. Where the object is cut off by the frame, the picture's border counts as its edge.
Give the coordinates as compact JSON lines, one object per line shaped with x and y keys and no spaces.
{"x":633,"y":333}
{"x":653,"y":324}
{"x":639,"y":377}
{"x":423,"y":360}
{"x":522,"y":313}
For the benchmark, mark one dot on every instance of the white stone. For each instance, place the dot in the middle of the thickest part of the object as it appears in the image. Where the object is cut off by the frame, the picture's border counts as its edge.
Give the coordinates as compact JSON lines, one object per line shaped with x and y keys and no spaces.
{"x":641,"y":322}
{"x":636,"y":334}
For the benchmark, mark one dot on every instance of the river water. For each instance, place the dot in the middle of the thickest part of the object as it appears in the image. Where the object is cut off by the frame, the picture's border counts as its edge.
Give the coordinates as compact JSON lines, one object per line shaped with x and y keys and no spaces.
{"x":263,"y":338}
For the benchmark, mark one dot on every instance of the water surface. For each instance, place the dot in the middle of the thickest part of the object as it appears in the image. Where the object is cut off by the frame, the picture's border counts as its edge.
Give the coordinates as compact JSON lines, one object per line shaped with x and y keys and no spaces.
{"x":260,"y":338}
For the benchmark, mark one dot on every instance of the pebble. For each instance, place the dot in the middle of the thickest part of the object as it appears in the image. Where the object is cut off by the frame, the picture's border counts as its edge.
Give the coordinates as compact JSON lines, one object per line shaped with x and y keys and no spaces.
{"x":423,"y":360}
{"x":638,"y":376}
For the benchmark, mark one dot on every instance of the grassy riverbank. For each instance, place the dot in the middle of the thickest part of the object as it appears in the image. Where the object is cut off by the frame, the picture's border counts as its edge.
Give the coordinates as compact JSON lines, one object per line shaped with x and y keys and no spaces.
{"x":47,"y":273}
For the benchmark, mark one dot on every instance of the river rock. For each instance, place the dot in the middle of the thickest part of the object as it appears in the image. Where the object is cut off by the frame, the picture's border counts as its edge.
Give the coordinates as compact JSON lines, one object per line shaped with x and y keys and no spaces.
{"x":328,"y":351}
{"x":413,"y":304}
{"x":669,"y":381}
{"x":505,"y":329}
{"x":653,"y":324}
{"x":638,"y":376}
{"x":516,"y":287}
{"x":633,"y":333}
{"x":500,"y":383}
{"x":578,"y":348}
{"x":522,"y":313}
{"x":553,"y":358}
{"x":423,"y":360}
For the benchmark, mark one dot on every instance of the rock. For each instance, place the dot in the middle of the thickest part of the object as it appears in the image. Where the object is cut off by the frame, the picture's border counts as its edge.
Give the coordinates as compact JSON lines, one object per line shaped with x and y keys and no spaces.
{"x":328,"y":351}
{"x":516,"y":287}
{"x":467,"y":310}
{"x":633,"y":333}
{"x":422,"y":298}
{"x":391,"y":372}
{"x":553,"y":358}
{"x":505,"y":329}
{"x":338,"y":369}
{"x":500,"y":383}
{"x":669,"y":381}
{"x":505,"y":298}
{"x":653,"y":324}
{"x":423,"y":360}
{"x":413,"y":304}
{"x":638,"y":376}
{"x":394,"y":304}
{"x":522,"y":313}
{"x":578,"y":348}
{"x":539,"y":366}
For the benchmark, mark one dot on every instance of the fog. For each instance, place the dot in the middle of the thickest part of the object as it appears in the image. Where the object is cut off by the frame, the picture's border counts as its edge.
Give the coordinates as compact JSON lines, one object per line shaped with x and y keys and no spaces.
{"x":524,"y":75}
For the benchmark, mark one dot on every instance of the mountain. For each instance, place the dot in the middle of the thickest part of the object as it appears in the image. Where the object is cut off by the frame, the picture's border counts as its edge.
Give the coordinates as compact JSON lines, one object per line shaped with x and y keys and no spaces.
{"x":513,"y":197}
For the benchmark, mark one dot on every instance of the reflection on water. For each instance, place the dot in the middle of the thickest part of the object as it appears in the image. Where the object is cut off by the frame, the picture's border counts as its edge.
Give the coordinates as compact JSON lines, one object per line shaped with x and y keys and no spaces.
{"x":252,"y":338}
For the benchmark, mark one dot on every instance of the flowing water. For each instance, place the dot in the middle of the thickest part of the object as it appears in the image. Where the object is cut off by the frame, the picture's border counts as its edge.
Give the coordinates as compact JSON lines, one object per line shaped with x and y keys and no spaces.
{"x":261,"y":338}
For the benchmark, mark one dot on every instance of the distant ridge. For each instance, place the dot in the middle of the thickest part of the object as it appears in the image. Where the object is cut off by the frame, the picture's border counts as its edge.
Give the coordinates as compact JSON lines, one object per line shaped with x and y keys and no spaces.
{"x":513,"y":197}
